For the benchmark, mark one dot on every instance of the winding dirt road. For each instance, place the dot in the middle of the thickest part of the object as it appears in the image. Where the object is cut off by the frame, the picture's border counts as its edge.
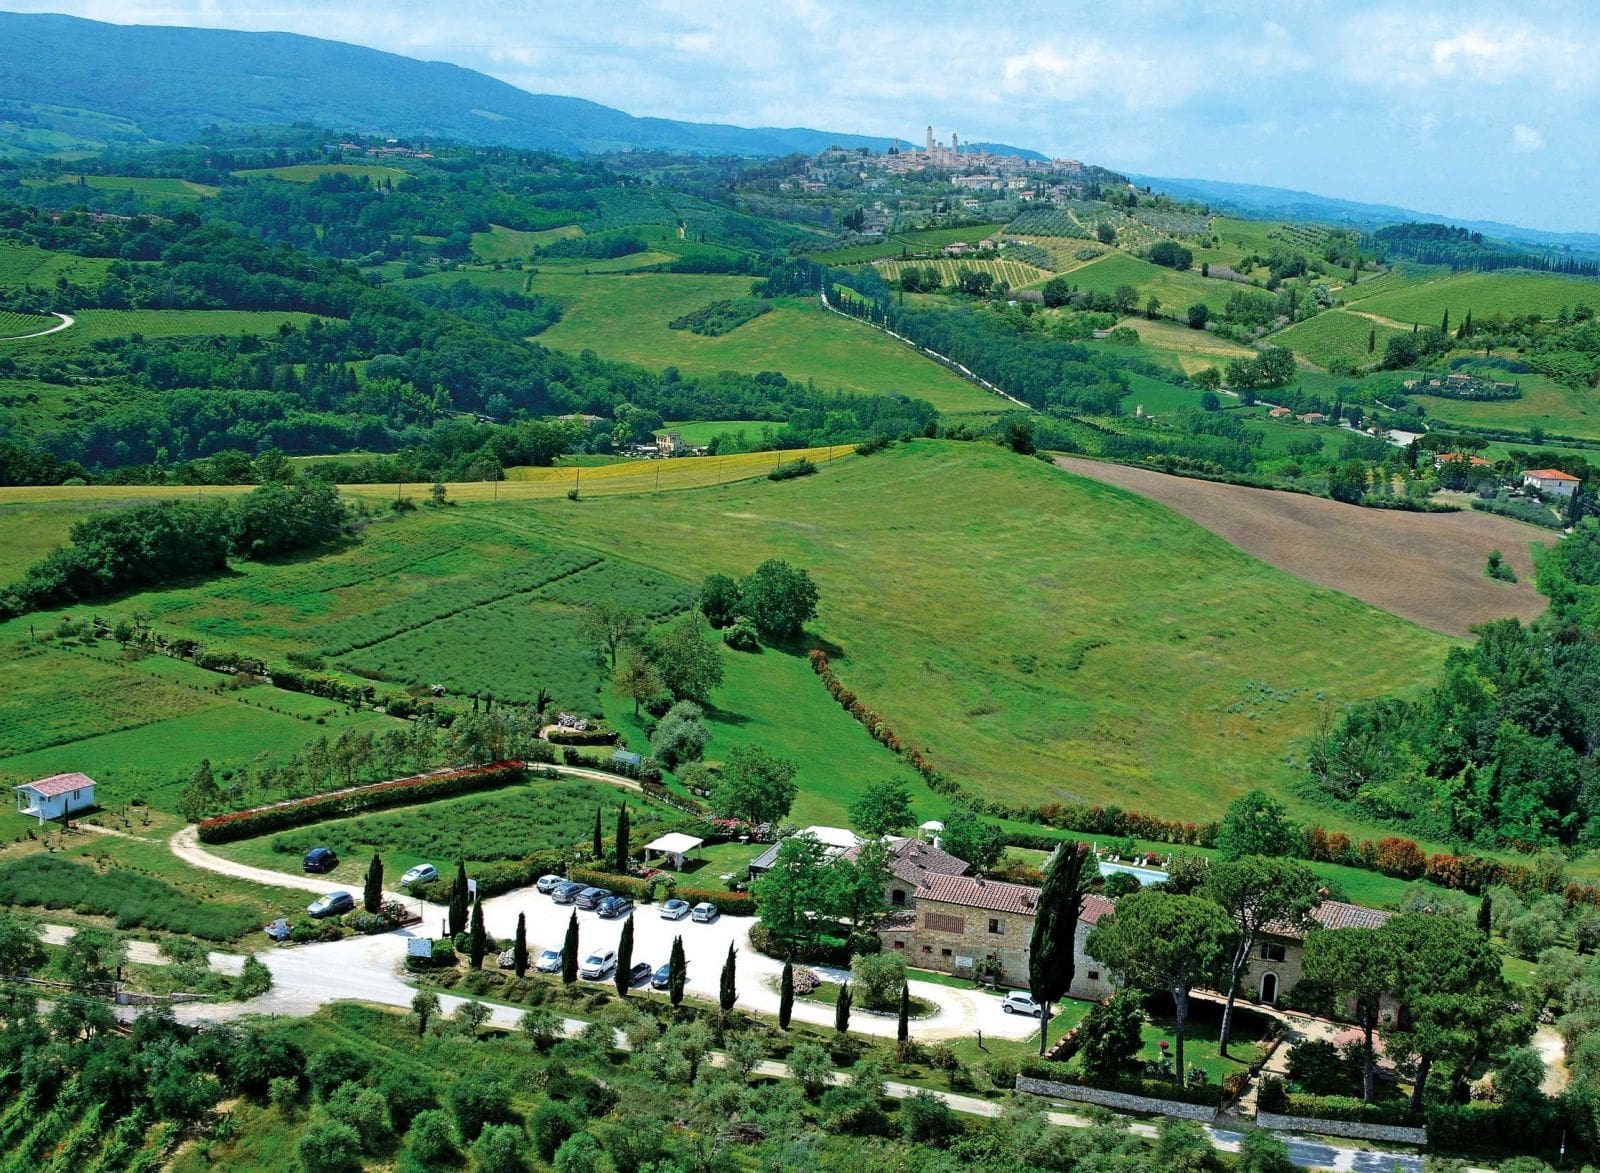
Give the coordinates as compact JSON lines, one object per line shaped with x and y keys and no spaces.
{"x":67,"y":321}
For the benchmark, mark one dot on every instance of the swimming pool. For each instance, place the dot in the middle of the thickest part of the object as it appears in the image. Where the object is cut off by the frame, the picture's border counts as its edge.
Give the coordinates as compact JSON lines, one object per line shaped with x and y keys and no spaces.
{"x":1145,"y":876}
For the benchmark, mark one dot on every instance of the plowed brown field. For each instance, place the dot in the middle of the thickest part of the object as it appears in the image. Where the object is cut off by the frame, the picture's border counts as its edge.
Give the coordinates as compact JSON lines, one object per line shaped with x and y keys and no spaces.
{"x":1425,"y":567}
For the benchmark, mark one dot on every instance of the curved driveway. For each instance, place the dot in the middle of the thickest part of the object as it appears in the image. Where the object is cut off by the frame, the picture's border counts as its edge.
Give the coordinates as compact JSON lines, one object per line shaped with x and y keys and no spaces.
{"x":67,"y":321}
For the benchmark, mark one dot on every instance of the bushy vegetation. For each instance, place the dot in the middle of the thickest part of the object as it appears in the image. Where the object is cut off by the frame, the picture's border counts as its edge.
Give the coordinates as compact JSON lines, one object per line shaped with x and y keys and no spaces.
{"x":722,"y":317}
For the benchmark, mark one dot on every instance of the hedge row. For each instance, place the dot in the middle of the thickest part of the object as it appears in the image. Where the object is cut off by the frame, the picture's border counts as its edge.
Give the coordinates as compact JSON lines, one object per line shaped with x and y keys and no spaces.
{"x":560,"y":736}
{"x":497,"y":878}
{"x":633,"y":886}
{"x":1206,"y":1094}
{"x":246,"y":824}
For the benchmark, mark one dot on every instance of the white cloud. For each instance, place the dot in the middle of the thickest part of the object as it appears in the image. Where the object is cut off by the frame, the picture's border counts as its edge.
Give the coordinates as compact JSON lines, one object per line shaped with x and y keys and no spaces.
{"x":1525,"y":139}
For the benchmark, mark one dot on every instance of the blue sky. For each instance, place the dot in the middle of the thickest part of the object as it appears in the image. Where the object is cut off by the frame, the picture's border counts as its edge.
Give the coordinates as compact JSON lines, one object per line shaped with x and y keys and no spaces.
{"x":1473,"y":110}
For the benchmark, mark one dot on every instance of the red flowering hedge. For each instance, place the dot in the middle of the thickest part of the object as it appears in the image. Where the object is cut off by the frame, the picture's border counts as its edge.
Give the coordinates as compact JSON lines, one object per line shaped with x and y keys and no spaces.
{"x":260,"y":820}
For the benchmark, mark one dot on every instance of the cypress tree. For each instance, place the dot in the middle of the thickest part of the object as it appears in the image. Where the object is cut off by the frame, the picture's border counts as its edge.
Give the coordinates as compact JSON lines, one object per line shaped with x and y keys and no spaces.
{"x":728,"y":991}
{"x":1575,"y":506}
{"x":786,"y":996}
{"x":458,"y":901}
{"x":1444,"y":324}
{"x":841,"y":1010}
{"x":1055,"y":925}
{"x":902,"y":1030}
{"x":599,"y":843}
{"x":1372,"y":339}
{"x":1486,"y":915}
{"x":569,"y":952}
{"x":677,"y":971}
{"x":622,"y":839}
{"x":519,"y":947}
{"x":624,"y":974}
{"x":372,"y":893}
{"x":480,"y":939}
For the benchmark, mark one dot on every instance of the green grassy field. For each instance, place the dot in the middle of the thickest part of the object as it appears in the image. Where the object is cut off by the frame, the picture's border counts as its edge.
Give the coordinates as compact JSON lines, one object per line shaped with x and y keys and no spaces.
{"x":1176,"y":290}
{"x":922,"y":240}
{"x":306,"y":172}
{"x":1511,"y":293}
{"x":510,"y":244}
{"x":94,"y":325}
{"x":27,"y":264}
{"x":626,"y":318}
{"x":1335,"y":334}
{"x":1016,"y":274}
{"x":698,"y":432}
{"x":1184,"y":349}
{"x":164,"y":188}
{"x":1052,"y":660}
{"x":1545,"y":403}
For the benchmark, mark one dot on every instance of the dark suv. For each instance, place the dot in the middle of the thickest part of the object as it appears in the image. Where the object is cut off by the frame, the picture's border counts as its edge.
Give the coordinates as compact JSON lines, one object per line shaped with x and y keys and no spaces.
{"x":591,"y":897}
{"x":613,"y":907}
{"x":319,"y":860}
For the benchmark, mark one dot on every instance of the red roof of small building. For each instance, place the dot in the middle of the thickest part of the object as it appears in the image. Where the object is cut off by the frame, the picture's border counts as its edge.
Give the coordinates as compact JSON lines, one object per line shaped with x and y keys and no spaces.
{"x":1551,"y":474}
{"x":1095,"y":907}
{"x":1335,"y":914}
{"x":57,"y":784}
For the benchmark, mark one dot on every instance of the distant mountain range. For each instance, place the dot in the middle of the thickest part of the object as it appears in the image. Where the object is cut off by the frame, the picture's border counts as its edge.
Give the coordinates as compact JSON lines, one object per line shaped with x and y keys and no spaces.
{"x":172,"y":82}
{"x":1256,"y":200}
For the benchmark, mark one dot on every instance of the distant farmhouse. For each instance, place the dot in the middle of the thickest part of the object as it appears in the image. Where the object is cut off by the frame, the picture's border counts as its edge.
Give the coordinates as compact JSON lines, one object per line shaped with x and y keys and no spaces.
{"x":1552,"y":482}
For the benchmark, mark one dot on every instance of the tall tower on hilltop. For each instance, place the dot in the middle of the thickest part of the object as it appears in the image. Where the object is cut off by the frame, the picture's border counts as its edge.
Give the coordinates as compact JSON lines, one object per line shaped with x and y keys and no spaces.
{"x":955,"y":144}
{"x":931,"y":146}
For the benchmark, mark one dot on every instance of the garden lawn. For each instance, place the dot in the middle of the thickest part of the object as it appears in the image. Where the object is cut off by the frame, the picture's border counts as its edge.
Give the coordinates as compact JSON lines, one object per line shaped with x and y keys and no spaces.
{"x":625,"y":317}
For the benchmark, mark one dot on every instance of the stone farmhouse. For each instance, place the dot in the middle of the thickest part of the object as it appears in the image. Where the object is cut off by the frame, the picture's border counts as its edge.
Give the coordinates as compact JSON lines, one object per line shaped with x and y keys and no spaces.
{"x":913,"y":863}
{"x":1274,"y":969}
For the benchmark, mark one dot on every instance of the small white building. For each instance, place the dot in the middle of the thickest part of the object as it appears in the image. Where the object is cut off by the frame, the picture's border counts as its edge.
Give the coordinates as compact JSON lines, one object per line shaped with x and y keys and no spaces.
{"x":55,"y":796}
{"x":1551,"y":481}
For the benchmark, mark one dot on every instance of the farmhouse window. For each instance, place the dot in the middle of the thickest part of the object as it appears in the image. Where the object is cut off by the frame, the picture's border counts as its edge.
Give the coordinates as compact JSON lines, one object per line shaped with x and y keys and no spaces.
{"x":1271,"y":951}
{"x":995,"y":926}
{"x":898,"y":897}
{"x":1094,"y":975}
{"x":899,"y":944}
{"x":927,"y":948}
{"x":944,"y":953}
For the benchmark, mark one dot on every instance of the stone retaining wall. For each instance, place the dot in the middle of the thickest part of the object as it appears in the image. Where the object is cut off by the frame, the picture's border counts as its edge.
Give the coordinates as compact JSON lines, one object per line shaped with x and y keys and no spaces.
{"x":1392,"y":1133}
{"x":1120,"y":1101}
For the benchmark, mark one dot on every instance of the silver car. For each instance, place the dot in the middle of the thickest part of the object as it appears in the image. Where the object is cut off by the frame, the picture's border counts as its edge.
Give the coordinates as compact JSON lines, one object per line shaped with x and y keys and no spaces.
{"x":549,"y":962}
{"x":548,"y":884}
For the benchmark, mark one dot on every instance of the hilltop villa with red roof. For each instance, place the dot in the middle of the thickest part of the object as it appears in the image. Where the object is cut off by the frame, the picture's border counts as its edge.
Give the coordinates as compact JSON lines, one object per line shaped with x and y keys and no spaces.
{"x":1551,"y":481}
{"x":55,"y":796}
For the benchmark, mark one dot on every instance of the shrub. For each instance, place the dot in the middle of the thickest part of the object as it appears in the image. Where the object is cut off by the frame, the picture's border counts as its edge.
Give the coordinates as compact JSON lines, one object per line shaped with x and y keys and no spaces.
{"x":329,"y":1147}
{"x":926,"y":1119}
{"x":499,"y":1149}
{"x":798,"y":467}
{"x":877,"y":979}
{"x":1272,"y":1095}
{"x":729,"y":903}
{"x":552,"y":1124}
{"x":364,"y":1110}
{"x":1400,"y":857}
{"x":478,"y":1099}
{"x":742,"y":636}
{"x":681,"y":735}
{"x":431,"y":1141}
{"x":1315,"y":1066}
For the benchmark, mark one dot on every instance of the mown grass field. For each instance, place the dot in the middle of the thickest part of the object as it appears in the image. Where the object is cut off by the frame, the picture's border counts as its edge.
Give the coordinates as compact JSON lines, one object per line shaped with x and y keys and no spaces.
{"x":1336,"y":334}
{"x":511,"y":244}
{"x":698,"y":432}
{"x":164,"y":188}
{"x":626,"y":318}
{"x":95,"y":325}
{"x":27,"y":264}
{"x":1510,"y":293}
{"x":922,"y":240}
{"x":1016,"y":274}
{"x":1176,"y":290}
{"x":1060,"y":654}
{"x":306,"y":172}
{"x":13,"y":325}
{"x":1187,"y":350}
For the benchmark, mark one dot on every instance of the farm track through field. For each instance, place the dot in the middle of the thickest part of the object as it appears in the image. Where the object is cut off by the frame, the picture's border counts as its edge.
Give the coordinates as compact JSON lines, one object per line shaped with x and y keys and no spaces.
{"x":1378,"y":318}
{"x":1425,"y":567}
{"x":67,"y":321}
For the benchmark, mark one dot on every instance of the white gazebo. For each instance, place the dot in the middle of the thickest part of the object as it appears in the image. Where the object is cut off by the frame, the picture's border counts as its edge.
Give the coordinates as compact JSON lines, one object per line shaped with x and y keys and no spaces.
{"x":932,"y":829}
{"x":674,"y":848}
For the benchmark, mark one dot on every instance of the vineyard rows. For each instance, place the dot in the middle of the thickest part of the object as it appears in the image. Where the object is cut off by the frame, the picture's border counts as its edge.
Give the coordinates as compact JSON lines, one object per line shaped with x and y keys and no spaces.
{"x":1014,"y":273}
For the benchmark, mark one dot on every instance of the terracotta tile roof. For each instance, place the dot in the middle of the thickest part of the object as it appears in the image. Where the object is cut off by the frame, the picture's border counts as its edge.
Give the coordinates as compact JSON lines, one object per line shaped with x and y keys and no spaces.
{"x":915,"y":861}
{"x":1095,"y":907}
{"x":1550,"y":474}
{"x":1335,"y":914}
{"x":57,"y":784}
{"x":974,"y":892}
